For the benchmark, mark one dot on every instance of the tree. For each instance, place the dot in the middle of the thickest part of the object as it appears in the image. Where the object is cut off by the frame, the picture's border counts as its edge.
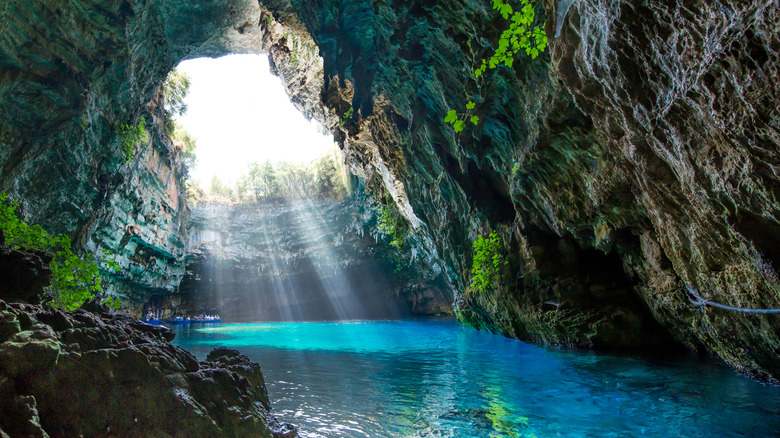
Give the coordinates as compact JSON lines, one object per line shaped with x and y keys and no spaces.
{"x":220,"y":189}
{"x":329,"y":183}
{"x":174,"y":90}
{"x":185,"y":147}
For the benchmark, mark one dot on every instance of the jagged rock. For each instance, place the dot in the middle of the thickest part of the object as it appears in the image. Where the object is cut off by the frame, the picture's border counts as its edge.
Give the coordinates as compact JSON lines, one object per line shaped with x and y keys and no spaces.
{"x":78,"y":373}
{"x":24,"y":274}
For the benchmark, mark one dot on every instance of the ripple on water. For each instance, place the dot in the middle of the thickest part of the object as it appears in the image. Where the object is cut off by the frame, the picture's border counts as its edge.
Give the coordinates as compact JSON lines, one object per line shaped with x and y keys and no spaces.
{"x":434,"y":378}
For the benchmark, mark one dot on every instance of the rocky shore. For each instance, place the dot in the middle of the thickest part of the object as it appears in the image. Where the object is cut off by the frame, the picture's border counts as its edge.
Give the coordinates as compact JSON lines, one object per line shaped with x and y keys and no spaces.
{"x":91,"y":372}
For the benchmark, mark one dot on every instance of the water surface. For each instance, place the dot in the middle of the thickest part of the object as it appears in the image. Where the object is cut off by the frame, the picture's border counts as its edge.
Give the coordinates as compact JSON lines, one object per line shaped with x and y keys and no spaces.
{"x":436,"y":378}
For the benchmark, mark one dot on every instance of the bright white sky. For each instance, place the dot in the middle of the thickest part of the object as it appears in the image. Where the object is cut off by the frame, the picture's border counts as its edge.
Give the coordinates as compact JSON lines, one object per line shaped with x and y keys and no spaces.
{"x":238,"y":112}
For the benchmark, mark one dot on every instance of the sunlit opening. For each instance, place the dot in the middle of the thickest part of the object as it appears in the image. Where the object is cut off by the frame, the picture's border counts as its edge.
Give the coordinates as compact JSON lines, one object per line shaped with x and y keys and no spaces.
{"x":238,"y":113}
{"x":266,"y":192}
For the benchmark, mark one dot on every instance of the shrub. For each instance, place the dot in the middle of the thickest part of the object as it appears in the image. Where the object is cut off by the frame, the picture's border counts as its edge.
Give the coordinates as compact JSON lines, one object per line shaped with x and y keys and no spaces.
{"x":488,"y":260}
{"x":132,"y":137}
{"x":73,"y":280}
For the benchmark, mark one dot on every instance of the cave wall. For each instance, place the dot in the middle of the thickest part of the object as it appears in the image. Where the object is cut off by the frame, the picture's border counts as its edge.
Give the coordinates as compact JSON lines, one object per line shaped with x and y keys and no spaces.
{"x":70,"y":74}
{"x":636,"y":156}
{"x":299,"y":260}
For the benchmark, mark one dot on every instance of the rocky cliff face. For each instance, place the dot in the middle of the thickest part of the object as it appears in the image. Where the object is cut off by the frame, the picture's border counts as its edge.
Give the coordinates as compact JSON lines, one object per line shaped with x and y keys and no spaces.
{"x":300,"y":260}
{"x":70,"y":75}
{"x":637,"y":156}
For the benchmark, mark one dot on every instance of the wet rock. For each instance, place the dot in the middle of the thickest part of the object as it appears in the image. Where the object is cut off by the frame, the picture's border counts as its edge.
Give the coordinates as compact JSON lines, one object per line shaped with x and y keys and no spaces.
{"x":92,"y":374}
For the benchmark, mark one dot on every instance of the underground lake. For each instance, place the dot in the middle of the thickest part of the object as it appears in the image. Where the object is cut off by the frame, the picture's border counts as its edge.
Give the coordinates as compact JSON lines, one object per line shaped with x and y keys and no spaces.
{"x":436,"y":378}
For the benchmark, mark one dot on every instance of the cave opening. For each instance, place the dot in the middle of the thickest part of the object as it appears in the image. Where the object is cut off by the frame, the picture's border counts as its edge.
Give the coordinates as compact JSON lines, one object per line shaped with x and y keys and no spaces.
{"x":274,"y":233}
{"x":238,"y":113}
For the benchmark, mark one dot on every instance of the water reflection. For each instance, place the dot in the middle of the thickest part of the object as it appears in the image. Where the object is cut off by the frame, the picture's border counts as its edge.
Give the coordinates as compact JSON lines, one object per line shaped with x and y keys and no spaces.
{"x":438,"y":379}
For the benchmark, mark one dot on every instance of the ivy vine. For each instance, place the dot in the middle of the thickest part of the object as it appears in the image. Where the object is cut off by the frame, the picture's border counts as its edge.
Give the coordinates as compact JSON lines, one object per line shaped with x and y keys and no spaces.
{"x":487,"y":263}
{"x":522,"y":36}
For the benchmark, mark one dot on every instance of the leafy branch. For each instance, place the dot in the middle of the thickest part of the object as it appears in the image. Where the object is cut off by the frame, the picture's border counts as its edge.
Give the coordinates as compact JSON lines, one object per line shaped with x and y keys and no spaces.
{"x":458,"y":121}
{"x":487,"y":262}
{"x":521,"y":36}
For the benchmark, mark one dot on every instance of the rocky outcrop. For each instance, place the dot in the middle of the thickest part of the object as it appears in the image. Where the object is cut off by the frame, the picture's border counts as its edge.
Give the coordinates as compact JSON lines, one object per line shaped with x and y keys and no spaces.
{"x":80,"y":373}
{"x":299,"y":259}
{"x":70,"y":75}
{"x":633,"y":159}
{"x":636,"y":157}
{"x":25,"y":273}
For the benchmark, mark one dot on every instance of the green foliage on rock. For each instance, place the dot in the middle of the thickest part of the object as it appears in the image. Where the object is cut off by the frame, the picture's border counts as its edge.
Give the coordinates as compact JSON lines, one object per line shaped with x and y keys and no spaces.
{"x":521,"y":36}
{"x":301,"y":50}
{"x":174,"y":89}
{"x":132,"y":136}
{"x":487,"y":263}
{"x":347,"y":116}
{"x":74,"y":280}
{"x":393,"y":225}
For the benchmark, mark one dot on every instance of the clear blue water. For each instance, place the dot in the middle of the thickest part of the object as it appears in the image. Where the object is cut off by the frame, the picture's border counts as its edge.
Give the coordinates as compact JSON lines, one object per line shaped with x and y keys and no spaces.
{"x":435,"y":378}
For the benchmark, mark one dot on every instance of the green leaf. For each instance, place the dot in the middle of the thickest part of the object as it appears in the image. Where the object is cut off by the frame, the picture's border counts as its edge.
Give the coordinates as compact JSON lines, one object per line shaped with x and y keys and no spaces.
{"x":470,"y":106}
{"x":475,"y":120}
{"x":506,"y":10}
{"x":452,"y":116}
{"x":459,"y":125}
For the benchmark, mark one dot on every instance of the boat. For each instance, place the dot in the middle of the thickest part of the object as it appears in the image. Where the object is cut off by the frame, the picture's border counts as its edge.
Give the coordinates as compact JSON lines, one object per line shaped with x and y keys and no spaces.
{"x":206,"y":321}
{"x":178,"y":320}
{"x":153,"y":321}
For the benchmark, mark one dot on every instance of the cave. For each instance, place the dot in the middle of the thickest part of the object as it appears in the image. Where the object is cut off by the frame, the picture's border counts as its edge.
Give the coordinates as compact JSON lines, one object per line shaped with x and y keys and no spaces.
{"x":592,"y":233}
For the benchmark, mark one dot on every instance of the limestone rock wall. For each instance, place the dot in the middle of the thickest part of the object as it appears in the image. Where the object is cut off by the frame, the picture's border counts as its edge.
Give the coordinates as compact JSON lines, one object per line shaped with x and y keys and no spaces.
{"x":298,"y":259}
{"x":70,"y":74}
{"x":636,"y":157}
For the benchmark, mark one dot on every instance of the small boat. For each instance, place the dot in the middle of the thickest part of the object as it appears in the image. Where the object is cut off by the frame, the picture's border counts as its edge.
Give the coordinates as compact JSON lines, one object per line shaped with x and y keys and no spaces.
{"x":206,"y":321}
{"x":153,"y":321}
{"x":178,"y":320}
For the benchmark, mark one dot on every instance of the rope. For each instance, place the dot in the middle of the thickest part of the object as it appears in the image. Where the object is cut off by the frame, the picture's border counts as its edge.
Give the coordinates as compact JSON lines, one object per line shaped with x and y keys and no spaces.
{"x":698,"y":301}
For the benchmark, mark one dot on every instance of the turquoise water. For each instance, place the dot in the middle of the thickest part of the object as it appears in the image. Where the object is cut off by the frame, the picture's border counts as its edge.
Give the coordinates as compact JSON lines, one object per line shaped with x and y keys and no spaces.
{"x":435,"y":378}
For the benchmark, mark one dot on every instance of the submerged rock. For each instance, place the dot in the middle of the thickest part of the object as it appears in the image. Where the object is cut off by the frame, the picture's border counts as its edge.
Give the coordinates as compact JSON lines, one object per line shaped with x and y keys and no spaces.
{"x":65,"y":374}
